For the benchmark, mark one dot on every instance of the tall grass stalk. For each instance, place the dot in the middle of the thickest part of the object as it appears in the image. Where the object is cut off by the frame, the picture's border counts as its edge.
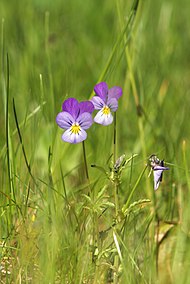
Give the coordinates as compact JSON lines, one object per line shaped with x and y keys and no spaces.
{"x":114,"y":160}
{"x":116,"y":258}
{"x":47,"y":37}
{"x":85,"y":162}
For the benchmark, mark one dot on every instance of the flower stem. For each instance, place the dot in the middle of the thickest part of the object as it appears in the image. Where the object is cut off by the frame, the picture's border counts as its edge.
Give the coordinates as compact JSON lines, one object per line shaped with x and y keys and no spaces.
{"x":94,"y":216}
{"x":85,"y":162}
{"x":114,"y":160}
{"x":114,"y":138}
{"x":157,"y":231}
{"x":116,"y":259}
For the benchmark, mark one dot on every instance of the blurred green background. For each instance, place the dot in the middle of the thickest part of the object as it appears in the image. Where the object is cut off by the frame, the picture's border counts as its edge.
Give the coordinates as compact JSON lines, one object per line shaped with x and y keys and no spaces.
{"x":69,"y":43}
{"x":60,"y":49}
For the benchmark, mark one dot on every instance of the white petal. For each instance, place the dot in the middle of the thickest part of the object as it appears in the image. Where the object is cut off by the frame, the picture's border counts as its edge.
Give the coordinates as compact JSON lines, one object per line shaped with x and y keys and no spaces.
{"x":104,"y":119}
{"x":73,"y":138}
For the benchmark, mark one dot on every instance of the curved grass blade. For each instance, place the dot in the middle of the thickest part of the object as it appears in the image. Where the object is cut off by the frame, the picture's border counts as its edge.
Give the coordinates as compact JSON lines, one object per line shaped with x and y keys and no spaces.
{"x":127,"y":29}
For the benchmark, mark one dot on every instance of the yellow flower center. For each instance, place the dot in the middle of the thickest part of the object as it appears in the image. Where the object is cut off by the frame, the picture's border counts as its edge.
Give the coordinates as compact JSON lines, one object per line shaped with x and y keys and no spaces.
{"x":75,"y":128}
{"x":106,"y":110}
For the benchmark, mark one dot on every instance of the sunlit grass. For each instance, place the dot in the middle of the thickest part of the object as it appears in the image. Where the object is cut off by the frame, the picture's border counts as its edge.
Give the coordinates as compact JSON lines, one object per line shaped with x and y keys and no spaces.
{"x":57,"y":226}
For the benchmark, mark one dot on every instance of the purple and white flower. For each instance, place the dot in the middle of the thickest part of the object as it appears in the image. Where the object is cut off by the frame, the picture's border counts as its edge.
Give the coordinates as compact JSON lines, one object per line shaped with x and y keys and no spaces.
{"x":158,"y":173}
{"x":75,"y":118}
{"x":158,"y":168}
{"x":106,"y":102}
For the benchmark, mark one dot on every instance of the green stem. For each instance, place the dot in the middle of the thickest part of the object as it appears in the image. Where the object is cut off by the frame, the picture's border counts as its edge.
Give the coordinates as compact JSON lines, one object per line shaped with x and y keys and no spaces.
{"x":114,"y":138}
{"x":185,"y":163}
{"x":114,"y":160}
{"x":156,"y":230}
{"x":116,"y":259}
{"x":85,"y":162}
{"x":135,"y":186}
{"x":94,"y":217}
{"x":116,"y":199}
{"x":7,"y":128}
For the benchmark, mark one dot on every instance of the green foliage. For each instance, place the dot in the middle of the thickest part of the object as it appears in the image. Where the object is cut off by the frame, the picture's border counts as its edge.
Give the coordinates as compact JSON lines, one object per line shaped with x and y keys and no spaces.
{"x":56,"y":226}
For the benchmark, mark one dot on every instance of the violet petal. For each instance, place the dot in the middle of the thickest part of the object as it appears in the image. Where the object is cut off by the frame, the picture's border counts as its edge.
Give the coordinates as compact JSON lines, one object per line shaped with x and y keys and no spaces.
{"x":97,"y":102}
{"x":157,"y":178}
{"x":85,"y":120}
{"x":101,"y":90}
{"x":112,"y":104}
{"x":86,"y":106}
{"x":158,"y":171}
{"x":115,"y":92}
{"x":158,"y":168}
{"x":64,"y":120}
{"x":71,"y":105}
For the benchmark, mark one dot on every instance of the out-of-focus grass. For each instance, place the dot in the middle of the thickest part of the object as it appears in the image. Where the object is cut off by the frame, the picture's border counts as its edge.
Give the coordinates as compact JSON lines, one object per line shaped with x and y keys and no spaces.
{"x":59,"y":49}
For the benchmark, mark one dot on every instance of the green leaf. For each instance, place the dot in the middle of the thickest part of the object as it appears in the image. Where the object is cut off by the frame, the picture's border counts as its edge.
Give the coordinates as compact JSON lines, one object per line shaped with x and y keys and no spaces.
{"x":132,"y":207}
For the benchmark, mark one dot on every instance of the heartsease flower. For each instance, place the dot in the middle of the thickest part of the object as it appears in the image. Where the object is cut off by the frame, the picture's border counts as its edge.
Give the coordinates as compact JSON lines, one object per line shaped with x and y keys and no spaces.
{"x":158,"y":168}
{"x":106,"y":101}
{"x":158,"y":174}
{"x":75,"y":118}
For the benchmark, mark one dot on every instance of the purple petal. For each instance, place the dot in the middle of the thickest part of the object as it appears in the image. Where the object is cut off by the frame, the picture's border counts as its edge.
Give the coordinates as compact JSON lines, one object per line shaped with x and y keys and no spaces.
{"x":71,"y":105}
{"x":157,"y":178}
{"x":85,"y":120}
{"x":115,"y":92}
{"x":112,"y":104}
{"x":101,"y":90}
{"x":97,"y":102}
{"x":158,"y":168}
{"x":104,"y":119}
{"x":86,"y":106}
{"x":73,"y":138}
{"x":64,"y":119}
{"x":158,"y":171}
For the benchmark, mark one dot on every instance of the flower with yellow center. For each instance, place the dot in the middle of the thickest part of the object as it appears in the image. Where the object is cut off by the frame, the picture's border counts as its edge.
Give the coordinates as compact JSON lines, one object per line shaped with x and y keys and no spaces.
{"x":106,"y":101}
{"x":75,"y":118}
{"x":106,"y":110}
{"x":75,"y":128}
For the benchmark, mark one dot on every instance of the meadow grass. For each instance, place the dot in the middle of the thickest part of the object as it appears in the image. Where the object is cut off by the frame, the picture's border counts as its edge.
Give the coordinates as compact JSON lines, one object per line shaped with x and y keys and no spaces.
{"x":57,"y":224}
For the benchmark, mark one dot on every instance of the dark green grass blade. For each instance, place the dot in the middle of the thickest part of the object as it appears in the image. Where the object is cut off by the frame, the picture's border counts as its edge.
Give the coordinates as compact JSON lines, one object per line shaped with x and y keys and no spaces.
{"x":20,"y":138}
